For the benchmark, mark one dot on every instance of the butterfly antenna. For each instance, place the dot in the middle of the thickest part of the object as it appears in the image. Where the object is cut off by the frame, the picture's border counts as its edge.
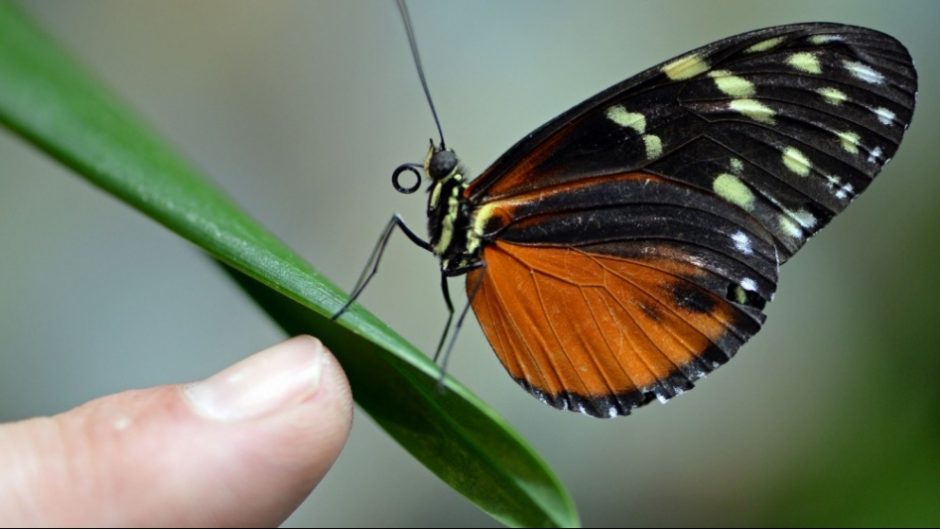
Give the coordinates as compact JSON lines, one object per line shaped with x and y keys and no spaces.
{"x":409,"y":28}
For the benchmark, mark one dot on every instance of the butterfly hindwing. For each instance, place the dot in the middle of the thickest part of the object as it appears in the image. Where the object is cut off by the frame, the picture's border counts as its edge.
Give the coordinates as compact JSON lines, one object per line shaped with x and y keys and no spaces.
{"x":601,"y":296}
{"x":677,"y":193}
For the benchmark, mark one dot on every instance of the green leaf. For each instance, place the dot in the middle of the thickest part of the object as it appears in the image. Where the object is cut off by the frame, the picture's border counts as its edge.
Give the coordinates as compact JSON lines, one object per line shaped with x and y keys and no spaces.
{"x":47,"y":98}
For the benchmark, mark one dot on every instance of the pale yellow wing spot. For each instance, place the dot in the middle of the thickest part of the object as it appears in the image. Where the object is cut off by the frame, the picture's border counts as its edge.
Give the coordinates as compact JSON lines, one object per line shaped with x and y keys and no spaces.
{"x":685,"y":67}
{"x":831,"y":95}
{"x":805,"y":62}
{"x":765,"y":45}
{"x":732,"y":189}
{"x":753,"y":109}
{"x":789,"y":227}
{"x":732,"y":85}
{"x":626,"y":119}
{"x":796,"y":161}
{"x":850,"y":141}
{"x":654,"y":146}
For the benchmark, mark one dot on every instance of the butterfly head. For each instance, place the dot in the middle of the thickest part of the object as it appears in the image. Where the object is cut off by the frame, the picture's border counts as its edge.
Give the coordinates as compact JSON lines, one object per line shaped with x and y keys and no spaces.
{"x":440,"y":162}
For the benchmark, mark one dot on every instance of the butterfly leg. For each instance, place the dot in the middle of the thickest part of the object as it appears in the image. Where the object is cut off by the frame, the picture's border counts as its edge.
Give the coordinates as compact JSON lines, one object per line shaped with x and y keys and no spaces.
{"x":372,"y":265}
{"x":463,"y":314}
{"x":445,"y":290}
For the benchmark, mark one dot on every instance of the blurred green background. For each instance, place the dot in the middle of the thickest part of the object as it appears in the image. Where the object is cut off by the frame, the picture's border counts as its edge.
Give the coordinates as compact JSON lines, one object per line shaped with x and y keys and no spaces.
{"x":831,"y":415}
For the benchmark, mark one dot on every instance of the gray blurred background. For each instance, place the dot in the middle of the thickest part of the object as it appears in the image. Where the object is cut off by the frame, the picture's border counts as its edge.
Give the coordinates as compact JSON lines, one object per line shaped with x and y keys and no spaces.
{"x":300,"y":110}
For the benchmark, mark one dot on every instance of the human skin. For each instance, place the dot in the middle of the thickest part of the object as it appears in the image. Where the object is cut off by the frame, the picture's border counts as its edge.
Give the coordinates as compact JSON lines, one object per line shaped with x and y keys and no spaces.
{"x":242,"y":448}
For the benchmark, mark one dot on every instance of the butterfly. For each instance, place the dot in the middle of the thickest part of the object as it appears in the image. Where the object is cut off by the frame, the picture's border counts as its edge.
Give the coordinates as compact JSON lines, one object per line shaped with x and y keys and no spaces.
{"x":628,"y":247}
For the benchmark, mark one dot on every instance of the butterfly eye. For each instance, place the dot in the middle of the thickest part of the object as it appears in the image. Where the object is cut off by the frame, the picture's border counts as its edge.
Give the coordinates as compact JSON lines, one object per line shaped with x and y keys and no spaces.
{"x":411,"y":168}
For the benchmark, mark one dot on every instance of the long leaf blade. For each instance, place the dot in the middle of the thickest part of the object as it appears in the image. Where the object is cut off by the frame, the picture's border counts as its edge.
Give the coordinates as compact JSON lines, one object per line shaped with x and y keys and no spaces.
{"x":50,"y":101}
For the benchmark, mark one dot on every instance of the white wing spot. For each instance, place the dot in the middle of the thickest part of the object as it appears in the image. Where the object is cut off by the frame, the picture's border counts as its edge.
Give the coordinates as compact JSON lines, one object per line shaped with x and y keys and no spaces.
{"x":742,"y":243}
{"x":823,"y":39}
{"x":804,"y":218}
{"x":753,"y":109}
{"x":621,"y":116}
{"x":805,"y":62}
{"x":846,"y":191}
{"x":874,"y":155}
{"x":737,"y":165}
{"x":840,"y":190}
{"x":885,"y":116}
{"x":749,"y":284}
{"x":850,"y":141}
{"x":731,"y":84}
{"x":732,"y":189}
{"x":697,"y":371}
{"x":685,"y":67}
{"x":612,"y":412}
{"x":654,"y":146}
{"x":863,"y":72}
{"x":831,"y":95}
{"x":796,"y":161}
{"x":765,"y":45}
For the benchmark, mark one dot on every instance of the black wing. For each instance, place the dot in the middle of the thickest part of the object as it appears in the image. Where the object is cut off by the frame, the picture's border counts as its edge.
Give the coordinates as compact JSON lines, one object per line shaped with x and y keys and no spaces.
{"x":802,"y":117}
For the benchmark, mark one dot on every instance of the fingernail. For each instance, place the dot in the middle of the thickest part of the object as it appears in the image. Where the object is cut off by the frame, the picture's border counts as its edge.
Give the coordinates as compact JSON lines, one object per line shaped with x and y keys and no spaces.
{"x":274,"y":379}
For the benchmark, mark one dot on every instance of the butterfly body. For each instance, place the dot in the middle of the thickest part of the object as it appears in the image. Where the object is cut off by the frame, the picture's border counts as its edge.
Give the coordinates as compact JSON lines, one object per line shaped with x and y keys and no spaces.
{"x":628,"y":247}
{"x":449,"y":214}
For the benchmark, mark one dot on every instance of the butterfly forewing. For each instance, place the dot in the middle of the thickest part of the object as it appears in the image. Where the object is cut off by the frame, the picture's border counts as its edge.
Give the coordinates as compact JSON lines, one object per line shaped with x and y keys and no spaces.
{"x":631,"y":244}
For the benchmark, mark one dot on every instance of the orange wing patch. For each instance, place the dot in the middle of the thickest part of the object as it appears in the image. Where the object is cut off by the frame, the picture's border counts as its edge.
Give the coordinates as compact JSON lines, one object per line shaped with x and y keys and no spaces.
{"x":602,"y":334}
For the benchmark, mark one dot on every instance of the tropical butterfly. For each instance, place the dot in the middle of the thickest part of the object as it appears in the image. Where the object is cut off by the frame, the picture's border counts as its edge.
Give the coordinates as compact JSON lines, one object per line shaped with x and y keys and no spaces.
{"x":628,"y":247}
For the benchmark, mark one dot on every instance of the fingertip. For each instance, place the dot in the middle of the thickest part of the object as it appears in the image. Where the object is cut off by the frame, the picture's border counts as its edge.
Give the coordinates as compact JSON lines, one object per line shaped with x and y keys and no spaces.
{"x":312,"y":434}
{"x":245,"y":446}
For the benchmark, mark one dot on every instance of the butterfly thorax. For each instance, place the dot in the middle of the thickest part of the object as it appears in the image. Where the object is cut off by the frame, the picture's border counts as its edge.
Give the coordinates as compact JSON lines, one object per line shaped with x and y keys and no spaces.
{"x":450,"y":214}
